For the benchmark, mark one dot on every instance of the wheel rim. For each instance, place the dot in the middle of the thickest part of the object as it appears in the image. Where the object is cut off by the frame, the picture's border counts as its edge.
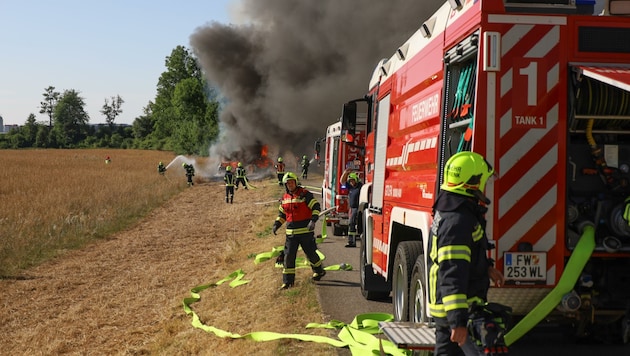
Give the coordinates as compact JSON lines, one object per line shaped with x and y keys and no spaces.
{"x":399,"y":295}
{"x":418,"y":304}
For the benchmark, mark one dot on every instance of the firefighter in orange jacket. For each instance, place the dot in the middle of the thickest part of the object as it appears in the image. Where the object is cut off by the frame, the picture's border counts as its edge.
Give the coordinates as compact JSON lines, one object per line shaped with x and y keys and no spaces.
{"x":459,"y":269}
{"x":300,"y":210}
{"x":279,"y":170}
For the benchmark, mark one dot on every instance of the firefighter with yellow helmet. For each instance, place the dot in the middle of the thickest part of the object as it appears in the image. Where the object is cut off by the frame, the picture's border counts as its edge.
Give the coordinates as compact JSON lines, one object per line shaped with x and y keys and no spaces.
{"x":300,"y":210}
{"x":305,"y":164}
{"x":459,"y":269}
{"x":241,"y":175}
{"x":228,"y":178}
{"x":354,"y":190}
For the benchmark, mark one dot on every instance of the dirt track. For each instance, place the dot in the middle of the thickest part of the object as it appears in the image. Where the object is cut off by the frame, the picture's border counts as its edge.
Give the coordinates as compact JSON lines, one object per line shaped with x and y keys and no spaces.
{"x":121,"y":295}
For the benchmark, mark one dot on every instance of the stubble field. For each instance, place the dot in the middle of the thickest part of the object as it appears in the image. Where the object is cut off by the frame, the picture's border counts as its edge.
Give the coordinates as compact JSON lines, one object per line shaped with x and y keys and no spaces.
{"x":119,"y":247}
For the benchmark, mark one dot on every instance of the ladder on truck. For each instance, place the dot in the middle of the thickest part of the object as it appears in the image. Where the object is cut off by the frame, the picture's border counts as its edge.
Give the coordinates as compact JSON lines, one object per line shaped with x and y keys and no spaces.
{"x":409,"y":335}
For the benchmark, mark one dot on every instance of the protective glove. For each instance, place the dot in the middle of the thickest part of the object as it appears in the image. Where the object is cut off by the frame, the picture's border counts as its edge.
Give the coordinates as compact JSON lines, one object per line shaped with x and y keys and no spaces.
{"x":276,"y":226}
{"x":311,"y":225}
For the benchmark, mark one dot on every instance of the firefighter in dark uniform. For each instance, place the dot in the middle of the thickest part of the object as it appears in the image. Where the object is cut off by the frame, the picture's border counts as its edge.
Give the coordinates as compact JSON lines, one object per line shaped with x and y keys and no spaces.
{"x":161,"y":168}
{"x":279,"y":170}
{"x":241,"y":175}
{"x":459,"y":269}
{"x":229,"y":185}
{"x":305,"y":163}
{"x":190,"y":172}
{"x":300,"y":210}
{"x":354,"y":190}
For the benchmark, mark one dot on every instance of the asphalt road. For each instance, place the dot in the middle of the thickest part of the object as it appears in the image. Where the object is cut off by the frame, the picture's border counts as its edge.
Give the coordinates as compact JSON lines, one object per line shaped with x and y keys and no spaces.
{"x":340,"y":291}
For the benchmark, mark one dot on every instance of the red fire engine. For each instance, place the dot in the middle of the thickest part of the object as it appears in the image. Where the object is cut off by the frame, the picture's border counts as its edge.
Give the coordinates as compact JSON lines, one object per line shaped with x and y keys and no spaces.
{"x":542,"y":90}
{"x":340,"y":156}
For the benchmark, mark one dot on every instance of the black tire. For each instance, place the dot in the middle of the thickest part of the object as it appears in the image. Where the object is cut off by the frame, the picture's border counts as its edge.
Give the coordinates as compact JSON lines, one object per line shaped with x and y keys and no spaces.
{"x":418,"y":310}
{"x":367,"y":274}
{"x":406,"y":255}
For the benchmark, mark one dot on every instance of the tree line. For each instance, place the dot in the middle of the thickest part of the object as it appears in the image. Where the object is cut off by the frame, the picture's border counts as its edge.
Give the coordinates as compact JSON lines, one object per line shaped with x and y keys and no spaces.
{"x":183,"y":118}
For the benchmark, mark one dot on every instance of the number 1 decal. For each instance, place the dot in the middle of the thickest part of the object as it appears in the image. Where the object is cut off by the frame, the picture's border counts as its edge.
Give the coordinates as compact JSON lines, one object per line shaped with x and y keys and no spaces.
{"x":531,"y":71}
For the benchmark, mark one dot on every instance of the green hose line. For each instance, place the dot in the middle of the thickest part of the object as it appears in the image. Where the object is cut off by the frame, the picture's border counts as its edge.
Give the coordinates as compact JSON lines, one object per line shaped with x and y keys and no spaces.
{"x":581,"y":254}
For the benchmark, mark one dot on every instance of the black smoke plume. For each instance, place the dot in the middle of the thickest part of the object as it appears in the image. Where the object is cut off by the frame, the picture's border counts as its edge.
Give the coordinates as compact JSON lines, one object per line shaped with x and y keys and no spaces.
{"x":286,"y":74}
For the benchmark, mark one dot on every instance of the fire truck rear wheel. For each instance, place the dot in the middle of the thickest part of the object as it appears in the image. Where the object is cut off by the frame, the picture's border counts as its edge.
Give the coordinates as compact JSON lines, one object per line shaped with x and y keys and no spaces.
{"x":418,"y":293}
{"x":406,"y":255}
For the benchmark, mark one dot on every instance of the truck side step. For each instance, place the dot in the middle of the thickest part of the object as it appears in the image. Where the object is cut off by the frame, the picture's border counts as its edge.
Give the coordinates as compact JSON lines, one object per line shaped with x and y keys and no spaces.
{"x":408,"y":335}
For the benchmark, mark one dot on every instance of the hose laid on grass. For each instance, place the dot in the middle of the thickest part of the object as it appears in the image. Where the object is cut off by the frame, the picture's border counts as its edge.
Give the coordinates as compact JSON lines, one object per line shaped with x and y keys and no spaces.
{"x":357,"y":336}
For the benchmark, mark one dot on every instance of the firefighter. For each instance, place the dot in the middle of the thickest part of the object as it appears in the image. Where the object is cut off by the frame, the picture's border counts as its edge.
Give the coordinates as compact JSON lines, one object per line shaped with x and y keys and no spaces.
{"x":229,"y":185}
{"x":279,"y":170}
{"x":161,"y":168}
{"x":354,"y":190}
{"x":108,"y":160}
{"x":459,"y":269}
{"x":241,"y":175}
{"x":190,"y":172}
{"x":305,"y":163}
{"x":300,"y":210}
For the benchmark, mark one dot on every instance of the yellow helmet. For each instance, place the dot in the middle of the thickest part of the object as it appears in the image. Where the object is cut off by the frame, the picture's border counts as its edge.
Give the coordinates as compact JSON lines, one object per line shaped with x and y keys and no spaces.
{"x":228,"y":168}
{"x":466,"y":173}
{"x":279,"y":159}
{"x":240,"y":164}
{"x":354,"y":176}
{"x":184,"y":164}
{"x":289,"y":176}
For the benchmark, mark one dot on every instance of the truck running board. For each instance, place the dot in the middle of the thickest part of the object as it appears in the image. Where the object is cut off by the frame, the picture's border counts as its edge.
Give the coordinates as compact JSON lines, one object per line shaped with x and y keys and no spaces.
{"x":408,"y":335}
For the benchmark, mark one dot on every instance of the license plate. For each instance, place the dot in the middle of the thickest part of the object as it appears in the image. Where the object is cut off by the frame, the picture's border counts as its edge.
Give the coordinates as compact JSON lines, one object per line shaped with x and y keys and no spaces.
{"x":527,"y":267}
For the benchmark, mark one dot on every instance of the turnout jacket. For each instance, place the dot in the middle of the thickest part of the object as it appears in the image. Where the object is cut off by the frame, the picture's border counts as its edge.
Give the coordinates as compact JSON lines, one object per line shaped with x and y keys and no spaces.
{"x":229,"y":179}
{"x":240,"y":172}
{"x":297,"y":209}
{"x":458,"y":262}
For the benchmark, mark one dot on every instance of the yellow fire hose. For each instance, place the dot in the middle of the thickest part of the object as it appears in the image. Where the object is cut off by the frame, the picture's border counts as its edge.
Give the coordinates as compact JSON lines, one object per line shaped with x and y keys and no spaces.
{"x":358,"y":336}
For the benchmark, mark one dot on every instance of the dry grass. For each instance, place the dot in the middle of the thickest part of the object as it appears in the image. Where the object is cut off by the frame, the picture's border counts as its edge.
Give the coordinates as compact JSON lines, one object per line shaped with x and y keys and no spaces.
{"x":53,"y":200}
{"x":123,"y":295}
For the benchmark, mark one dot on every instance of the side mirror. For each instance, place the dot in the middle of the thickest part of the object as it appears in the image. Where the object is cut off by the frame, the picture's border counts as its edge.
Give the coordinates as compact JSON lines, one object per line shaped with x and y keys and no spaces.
{"x":349,"y":121}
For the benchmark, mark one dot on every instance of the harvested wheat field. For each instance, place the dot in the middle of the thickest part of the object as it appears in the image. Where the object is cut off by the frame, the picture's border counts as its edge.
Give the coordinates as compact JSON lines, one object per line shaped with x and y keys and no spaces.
{"x":123,"y":294}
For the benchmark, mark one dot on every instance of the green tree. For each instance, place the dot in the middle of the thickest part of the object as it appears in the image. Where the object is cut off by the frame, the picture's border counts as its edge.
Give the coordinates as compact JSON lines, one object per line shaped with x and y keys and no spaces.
{"x":112,"y":110}
{"x":183,"y":115}
{"x":70,"y":120}
{"x":29,"y":130}
{"x":51,"y":97}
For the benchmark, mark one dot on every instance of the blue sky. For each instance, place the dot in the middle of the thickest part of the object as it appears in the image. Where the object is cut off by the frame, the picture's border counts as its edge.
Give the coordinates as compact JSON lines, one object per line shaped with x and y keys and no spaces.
{"x":101,"y":49}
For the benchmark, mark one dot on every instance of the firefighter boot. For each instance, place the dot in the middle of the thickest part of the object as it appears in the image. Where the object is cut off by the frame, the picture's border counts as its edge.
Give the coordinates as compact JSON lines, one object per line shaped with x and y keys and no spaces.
{"x":319,"y":274}
{"x":231,"y":199}
{"x":351,"y":240}
{"x":226,"y":199}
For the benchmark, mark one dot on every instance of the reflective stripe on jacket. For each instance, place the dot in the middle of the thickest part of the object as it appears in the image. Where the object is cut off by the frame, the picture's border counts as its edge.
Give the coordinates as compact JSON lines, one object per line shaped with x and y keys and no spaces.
{"x":229,"y":179}
{"x":458,"y":262}
{"x":298,"y":209}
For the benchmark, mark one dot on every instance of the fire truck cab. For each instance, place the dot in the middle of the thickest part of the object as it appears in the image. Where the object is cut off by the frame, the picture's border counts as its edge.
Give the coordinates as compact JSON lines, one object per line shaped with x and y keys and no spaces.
{"x":340,"y":157}
{"x":542,"y":90}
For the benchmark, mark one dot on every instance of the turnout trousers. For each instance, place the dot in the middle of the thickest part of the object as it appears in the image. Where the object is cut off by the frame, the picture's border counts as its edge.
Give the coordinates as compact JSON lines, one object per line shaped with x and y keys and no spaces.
{"x":445,"y":347}
{"x":309,"y":246}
